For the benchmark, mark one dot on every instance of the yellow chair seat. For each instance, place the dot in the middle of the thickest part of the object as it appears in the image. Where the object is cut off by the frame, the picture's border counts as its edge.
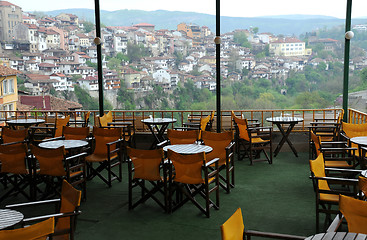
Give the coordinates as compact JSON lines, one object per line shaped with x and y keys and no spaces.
{"x":329,"y":197}
{"x":337,"y":164}
{"x":259,"y":140}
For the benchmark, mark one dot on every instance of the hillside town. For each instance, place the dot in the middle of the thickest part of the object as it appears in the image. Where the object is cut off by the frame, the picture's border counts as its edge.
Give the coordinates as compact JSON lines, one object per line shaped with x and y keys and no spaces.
{"x":58,"y":52}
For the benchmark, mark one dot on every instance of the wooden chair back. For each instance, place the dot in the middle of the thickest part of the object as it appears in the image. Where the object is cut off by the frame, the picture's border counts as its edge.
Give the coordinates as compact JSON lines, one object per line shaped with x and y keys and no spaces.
{"x":70,"y":202}
{"x":233,"y":228}
{"x":187,"y":167}
{"x":105,"y":119}
{"x":10,"y":135}
{"x":103,"y":136}
{"x":182,"y":137}
{"x":355,"y":212}
{"x":51,"y":161}
{"x":75,"y":133}
{"x":39,"y":231}
{"x":219,"y":142}
{"x":13,"y":158}
{"x":362,"y":185}
{"x":146,"y":163}
{"x":59,"y":124}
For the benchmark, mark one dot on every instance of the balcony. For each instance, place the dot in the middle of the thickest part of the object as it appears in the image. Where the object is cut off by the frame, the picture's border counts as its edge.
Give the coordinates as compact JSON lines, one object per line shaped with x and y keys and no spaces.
{"x":277,"y":198}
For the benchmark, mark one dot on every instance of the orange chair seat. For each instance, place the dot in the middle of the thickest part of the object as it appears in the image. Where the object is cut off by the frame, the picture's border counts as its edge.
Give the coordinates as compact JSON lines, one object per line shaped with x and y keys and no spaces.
{"x":98,"y":157}
{"x":259,"y":140}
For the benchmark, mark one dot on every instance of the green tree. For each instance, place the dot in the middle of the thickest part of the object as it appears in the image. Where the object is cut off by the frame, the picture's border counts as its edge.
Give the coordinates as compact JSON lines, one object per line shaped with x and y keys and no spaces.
{"x":255,"y":30}
{"x":90,"y":64}
{"x":136,"y":51}
{"x":241,"y":38}
{"x":114,"y":63}
{"x":122,"y":57}
{"x":88,"y":26}
{"x":363,"y":75}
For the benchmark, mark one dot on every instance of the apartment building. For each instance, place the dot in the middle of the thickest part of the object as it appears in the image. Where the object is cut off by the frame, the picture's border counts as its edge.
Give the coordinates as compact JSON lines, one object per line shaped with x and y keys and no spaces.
{"x":10,"y":16}
{"x":9,"y":90}
{"x":289,"y":47}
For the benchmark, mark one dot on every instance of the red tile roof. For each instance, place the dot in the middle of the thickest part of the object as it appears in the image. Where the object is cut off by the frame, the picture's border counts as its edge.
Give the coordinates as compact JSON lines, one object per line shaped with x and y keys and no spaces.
{"x":7,"y":71}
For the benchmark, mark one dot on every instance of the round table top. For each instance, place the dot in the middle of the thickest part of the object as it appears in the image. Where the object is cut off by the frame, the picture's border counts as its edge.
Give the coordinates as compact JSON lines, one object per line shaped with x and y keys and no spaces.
{"x":68,"y":144}
{"x":158,"y":121}
{"x":188,"y":148}
{"x":359,"y":140}
{"x":284,"y":119}
{"x":25,"y":121}
{"x":9,"y":218}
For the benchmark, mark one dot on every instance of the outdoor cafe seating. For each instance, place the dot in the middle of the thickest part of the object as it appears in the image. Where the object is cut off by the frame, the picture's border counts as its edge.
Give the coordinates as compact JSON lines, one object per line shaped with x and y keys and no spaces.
{"x":327,"y":197}
{"x":107,"y":154}
{"x":65,"y":218}
{"x":354,"y":211}
{"x":52,"y":166}
{"x":40,"y":230}
{"x":147,"y":172}
{"x":252,"y":140}
{"x":223,"y":148}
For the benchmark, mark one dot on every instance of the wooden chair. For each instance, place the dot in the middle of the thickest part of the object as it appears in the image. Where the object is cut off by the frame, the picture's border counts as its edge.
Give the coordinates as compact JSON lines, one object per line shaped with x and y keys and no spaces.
{"x":362,"y":186}
{"x":39,"y":231}
{"x":105,"y":119}
{"x":192,"y":177}
{"x":55,"y":166}
{"x":234,"y":229}
{"x":327,"y":128}
{"x":52,"y":130}
{"x":350,"y":130}
{"x":336,"y":154}
{"x":354,"y":211}
{"x":66,"y":215}
{"x":182,"y":137}
{"x":144,"y":167}
{"x":253,"y":141}
{"x":107,"y":152}
{"x":82,"y":123}
{"x":16,"y":170}
{"x":10,"y":135}
{"x":325,"y":196}
{"x":204,"y":124}
{"x":223,"y":148}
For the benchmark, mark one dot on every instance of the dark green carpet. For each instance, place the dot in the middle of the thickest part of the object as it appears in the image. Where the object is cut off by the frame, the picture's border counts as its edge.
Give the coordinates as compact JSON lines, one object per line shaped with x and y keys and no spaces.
{"x":277,"y":198}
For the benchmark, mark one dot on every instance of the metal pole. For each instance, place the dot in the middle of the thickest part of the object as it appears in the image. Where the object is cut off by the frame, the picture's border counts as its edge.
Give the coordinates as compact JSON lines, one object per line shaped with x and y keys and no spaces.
{"x":346,"y":61}
{"x":97,"y":41}
{"x":217,"y":43}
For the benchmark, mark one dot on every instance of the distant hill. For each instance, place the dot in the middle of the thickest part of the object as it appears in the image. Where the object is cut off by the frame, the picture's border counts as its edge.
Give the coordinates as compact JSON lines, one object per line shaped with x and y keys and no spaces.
{"x":162,"y":19}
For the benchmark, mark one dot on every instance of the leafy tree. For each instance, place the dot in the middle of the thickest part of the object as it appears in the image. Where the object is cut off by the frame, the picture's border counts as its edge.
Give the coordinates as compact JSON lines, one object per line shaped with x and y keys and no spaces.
{"x":126,"y":97}
{"x":241,"y":38}
{"x":88,"y":26}
{"x":122,"y":57}
{"x":255,"y":30}
{"x":136,"y":52}
{"x":90,"y":64}
{"x":363,"y":75}
{"x":114,"y":63}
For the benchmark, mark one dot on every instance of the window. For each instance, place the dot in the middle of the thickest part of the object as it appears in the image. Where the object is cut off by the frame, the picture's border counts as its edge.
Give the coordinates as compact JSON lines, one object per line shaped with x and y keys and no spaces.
{"x":11,"y":86}
{"x":5,"y":87}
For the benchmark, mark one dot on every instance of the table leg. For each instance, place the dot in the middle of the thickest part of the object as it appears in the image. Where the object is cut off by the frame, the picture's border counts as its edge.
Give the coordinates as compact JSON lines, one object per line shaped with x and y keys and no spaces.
{"x":158,"y":137}
{"x":285,"y":139}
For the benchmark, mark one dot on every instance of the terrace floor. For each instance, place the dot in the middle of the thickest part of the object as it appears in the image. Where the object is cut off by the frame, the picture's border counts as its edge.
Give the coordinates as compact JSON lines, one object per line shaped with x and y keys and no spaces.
{"x":275,"y":198}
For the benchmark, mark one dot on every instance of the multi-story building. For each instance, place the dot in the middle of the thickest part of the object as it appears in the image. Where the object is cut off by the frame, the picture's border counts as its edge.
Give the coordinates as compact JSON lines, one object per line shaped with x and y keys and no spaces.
{"x":289,"y":47}
{"x":9,"y":90}
{"x":192,"y":31}
{"x":10,"y":16}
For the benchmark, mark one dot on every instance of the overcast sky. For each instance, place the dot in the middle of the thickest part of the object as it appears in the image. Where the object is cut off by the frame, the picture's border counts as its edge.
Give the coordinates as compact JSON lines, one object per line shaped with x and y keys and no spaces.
{"x":235,"y":8}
